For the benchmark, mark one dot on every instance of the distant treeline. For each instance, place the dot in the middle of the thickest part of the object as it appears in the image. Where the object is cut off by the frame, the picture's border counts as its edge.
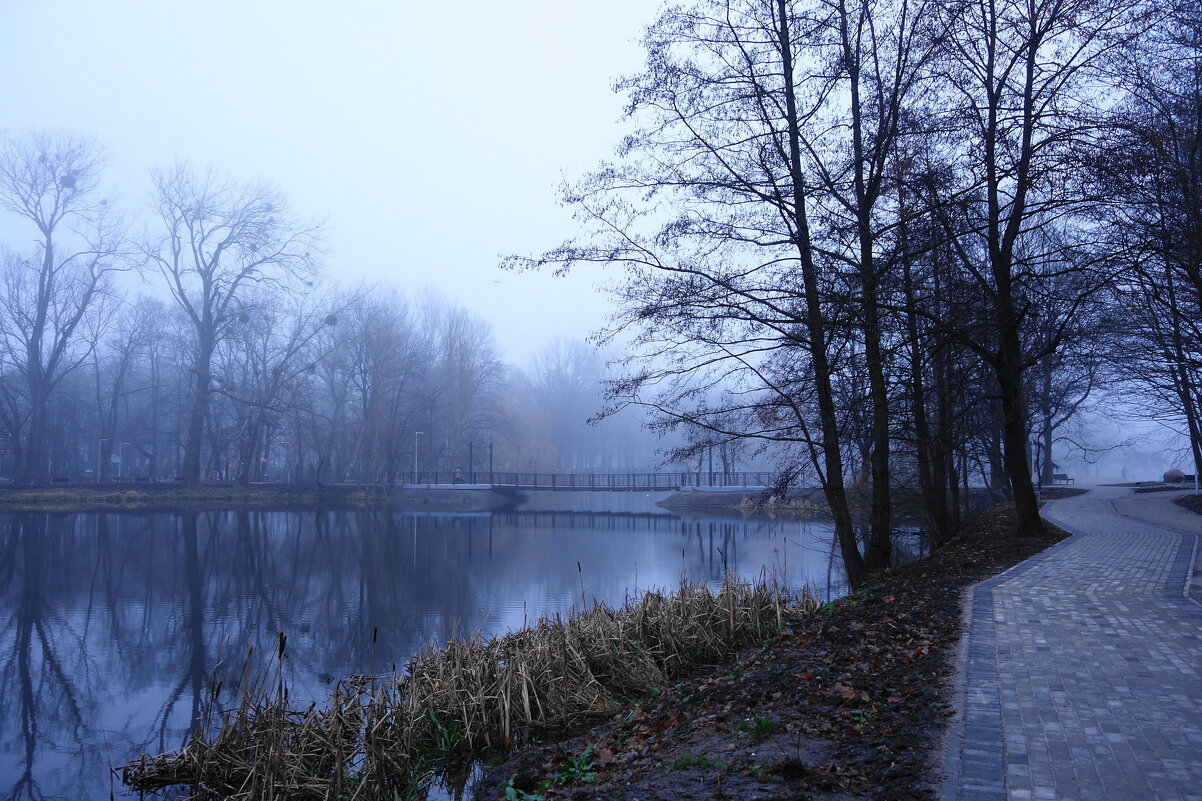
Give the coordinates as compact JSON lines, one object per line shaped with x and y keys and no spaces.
{"x":230,"y":359}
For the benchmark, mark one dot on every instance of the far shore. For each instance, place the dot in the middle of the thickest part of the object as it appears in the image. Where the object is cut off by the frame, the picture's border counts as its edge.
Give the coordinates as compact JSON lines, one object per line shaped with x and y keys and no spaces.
{"x":169,"y":496}
{"x":810,"y":502}
{"x":172,"y":496}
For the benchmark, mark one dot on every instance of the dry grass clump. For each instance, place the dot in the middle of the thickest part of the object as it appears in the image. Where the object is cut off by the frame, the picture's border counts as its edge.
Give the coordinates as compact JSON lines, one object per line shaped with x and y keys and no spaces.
{"x":264,"y":750}
{"x":387,"y":737}
{"x":490,"y":692}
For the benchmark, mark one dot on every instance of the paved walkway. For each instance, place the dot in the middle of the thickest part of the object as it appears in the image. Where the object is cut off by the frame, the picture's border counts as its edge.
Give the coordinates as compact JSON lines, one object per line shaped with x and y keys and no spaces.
{"x":1081,"y":674}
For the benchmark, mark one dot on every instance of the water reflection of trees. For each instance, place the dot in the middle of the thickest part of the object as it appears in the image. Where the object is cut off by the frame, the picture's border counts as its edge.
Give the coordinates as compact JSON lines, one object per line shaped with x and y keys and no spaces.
{"x":40,"y":693}
{"x":116,"y":626}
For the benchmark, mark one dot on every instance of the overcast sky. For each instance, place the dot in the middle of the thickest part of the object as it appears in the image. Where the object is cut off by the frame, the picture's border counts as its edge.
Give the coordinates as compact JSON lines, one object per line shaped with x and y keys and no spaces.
{"x":430,"y":136}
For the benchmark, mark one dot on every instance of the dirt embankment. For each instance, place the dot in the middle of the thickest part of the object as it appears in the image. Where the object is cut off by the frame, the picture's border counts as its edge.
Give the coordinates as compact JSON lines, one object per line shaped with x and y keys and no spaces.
{"x":1191,"y":502}
{"x":742,"y":502}
{"x":851,"y":704}
{"x":811,"y":502}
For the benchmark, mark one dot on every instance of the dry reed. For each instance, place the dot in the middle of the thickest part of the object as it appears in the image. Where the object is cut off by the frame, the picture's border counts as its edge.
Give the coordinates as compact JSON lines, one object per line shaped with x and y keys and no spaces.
{"x":388,"y":737}
{"x":799,"y":506}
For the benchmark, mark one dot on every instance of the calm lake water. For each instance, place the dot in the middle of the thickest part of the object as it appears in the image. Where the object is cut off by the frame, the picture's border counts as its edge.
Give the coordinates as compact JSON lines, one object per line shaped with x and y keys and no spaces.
{"x":114,"y":626}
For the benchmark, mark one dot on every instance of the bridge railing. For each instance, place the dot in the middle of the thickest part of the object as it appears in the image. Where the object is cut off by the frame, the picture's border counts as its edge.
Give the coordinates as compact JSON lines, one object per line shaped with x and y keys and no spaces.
{"x":593,"y":481}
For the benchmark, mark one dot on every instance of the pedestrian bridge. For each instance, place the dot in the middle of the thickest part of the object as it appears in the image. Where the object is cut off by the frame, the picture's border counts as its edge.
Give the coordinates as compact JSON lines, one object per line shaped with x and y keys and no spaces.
{"x":592,"y":482}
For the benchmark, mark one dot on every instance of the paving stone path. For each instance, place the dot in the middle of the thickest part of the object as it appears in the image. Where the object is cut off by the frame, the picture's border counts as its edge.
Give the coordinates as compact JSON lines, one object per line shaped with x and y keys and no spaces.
{"x":1081,"y":672}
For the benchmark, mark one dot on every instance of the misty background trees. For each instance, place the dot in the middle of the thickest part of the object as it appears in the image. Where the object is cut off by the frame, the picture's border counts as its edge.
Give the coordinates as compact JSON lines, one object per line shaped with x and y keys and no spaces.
{"x":199,"y":338}
{"x":50,"y":183}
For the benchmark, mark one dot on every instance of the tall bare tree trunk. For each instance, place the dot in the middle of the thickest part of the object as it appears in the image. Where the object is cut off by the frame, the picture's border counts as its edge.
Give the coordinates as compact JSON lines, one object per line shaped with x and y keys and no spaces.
{"x":833,"y":480}
{"x":194,"y":439}
{"x":1014,"y":434}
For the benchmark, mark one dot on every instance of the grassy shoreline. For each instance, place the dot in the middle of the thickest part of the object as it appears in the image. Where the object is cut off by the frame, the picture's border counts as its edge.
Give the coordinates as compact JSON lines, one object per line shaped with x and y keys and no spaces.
{"x":387,"y":737}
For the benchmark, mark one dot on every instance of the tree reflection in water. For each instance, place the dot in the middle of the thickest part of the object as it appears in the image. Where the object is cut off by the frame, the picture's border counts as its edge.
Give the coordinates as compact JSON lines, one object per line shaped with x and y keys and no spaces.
{"x":117,"y":627}
{"x":40,"y":691}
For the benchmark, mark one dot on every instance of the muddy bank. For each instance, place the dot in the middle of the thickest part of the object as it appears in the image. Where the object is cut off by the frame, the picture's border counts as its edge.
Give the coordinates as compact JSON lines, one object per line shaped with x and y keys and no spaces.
{"x":805,"y":501}
{"x":1052,"y":493}
{"x":808,"y":502}
{"x":174,"y":497}
{"x":851,"y":704}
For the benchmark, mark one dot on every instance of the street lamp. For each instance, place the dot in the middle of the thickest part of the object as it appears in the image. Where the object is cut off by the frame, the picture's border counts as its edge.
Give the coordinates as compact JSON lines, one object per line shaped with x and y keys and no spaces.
{"x":1036,"y":457}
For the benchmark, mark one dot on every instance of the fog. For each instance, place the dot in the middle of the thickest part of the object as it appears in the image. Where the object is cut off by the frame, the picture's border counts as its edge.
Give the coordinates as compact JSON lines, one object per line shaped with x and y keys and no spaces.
{"x":903,"y":259}
{"x":430,"y":137}
{"x":420,"y":144}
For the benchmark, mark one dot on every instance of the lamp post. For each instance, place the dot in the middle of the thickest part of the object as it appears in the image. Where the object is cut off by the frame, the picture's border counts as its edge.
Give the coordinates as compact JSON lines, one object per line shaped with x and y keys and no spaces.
{"x":1197,"y":473}
{"x":121,"y":464}
{"x":416,"y":434}
{"x":1035,"y":469}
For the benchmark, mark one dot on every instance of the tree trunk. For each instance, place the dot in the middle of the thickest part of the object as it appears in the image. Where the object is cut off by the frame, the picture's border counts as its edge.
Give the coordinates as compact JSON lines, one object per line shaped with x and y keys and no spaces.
{"x":105,"y":473}
{"x":880,"y":521}
{"x":995,"y":448}
{"x":1182,"y":381}
{"x":36,"y":469}
{"x":833,"y":483}
{"x":1014,"y":434}
{"x":194,"y":438}
{"x":880,"y":535}
{"x":249,"y":449}
{"x":1047,"y":470}
{"x":933,"y":497}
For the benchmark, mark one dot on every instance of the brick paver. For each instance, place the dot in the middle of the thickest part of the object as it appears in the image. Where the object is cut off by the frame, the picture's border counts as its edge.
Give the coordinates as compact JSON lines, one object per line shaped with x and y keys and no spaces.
{"x":1081,"y":670}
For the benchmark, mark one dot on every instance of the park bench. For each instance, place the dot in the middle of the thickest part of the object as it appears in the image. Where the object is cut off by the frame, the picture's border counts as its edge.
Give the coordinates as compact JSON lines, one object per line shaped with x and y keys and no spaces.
{"x":1062,"y":478}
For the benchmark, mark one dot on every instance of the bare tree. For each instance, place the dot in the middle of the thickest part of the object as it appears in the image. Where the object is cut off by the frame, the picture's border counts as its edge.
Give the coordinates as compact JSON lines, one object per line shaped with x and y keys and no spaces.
{"x":216,"y":241}
{"x":1026,"y":90}
{"x":270,"y":349}
{"x":469,"y":375}
{"x":113,"y":361}
{"x":566,"y":389}
{"x":50,"y":182}
{"x":379,"y":387}
{"x":751,"y":212}
{"x":1152,"y":171}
